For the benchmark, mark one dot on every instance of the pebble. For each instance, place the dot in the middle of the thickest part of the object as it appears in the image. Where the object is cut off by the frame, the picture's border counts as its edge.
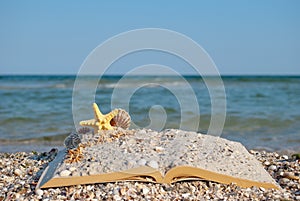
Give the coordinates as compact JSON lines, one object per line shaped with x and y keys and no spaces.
{"x":9,"y":179}
{"x":159,"y":149}
{"x":146,"y":190}
{"x":142,"y":132}
{"x":72,"y":169}
{"x":39,"y":192}
{"x":272,"y":167}
{"x":142,"y":162}
{"x":153,"y":164}
{"x":131,"y":163}
{"x":186,"y":195}
{"x":65,"y":173}
{"x":285,"y":157}
{"x":262,"y":189}
{"x":284,"y":181}
{"x":17,"y":195}
{"x":18,"y":172}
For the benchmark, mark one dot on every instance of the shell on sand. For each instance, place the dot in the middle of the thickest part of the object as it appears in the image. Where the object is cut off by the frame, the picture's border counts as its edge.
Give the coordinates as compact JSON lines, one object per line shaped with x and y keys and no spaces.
{"x":72,"y":141}
{"x":122,"y":119}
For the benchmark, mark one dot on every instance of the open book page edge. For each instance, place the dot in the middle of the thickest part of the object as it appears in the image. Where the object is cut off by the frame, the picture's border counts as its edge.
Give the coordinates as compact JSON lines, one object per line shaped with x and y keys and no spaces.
{"x":181,"y":173}
{"x":143,"y":173}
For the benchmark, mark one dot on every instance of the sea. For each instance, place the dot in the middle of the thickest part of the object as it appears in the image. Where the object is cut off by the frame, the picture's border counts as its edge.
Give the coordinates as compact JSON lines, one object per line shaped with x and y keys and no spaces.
{"x":262,"y":112}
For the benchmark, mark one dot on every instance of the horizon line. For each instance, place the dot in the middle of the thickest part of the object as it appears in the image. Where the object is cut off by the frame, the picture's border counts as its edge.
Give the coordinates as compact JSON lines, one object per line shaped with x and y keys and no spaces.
{"x":151,"y":75}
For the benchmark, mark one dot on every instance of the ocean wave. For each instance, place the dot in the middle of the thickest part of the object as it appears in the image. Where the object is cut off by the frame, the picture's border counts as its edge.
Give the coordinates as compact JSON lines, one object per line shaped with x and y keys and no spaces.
{"x":141,"y":84}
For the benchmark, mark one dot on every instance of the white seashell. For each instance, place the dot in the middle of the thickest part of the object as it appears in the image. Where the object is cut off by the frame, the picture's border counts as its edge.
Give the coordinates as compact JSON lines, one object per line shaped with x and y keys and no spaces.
{"x":65,"y":173}
{"x":122,"y":119}
{"x":159,"y":149}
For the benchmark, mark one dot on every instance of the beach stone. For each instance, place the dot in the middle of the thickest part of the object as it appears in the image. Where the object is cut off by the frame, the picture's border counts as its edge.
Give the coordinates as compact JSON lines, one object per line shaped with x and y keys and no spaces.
{"x":131,"y":162}
{"x":276,"y":196}
{"x":153,"y":164}
{"x":142,"y":162}
{"x":285,"y":157}
{"x":146,"y":190}
{"x":267,"y":163}
{"x":18,"y":172}
{"x":39,"y":192}
{"x":89,"y":187}
{"x":65,"y":173}
{"x":72,"y":169}
{"x":17,"y":195}
{"x":284,"y":181}
{"x":262,"y":189}
{"x":159,"y":149}
{"x":186,"y":195}
{"x":76,"y":173}
{"x":142,"y":132}
{"x":9,"y":179}
{"x":272,"y":167}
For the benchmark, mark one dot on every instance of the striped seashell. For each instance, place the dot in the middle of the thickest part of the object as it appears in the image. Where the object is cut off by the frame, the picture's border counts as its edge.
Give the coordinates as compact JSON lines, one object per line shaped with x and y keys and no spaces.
{"x":72,"y":141}
{"x":122,"y":119}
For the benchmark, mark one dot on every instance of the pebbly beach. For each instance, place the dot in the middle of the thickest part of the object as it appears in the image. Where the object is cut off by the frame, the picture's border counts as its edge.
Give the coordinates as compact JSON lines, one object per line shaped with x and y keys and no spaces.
{"x":21,"y":171}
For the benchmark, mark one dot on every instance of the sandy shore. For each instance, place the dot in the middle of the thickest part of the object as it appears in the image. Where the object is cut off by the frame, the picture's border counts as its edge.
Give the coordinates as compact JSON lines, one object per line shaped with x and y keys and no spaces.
{"x":21,"y":171}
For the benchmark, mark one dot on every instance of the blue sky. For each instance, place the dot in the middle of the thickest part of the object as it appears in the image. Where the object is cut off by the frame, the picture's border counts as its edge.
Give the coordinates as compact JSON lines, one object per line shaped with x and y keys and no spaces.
{"x":242,"y":37}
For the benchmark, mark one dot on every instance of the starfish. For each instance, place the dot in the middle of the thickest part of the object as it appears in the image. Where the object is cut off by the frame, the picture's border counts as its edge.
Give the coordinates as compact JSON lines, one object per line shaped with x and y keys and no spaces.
{"x":101,"y":121}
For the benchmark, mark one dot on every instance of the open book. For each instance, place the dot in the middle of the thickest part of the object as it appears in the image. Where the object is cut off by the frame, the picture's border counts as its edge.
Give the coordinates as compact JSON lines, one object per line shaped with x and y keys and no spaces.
{"x":162,"y":157}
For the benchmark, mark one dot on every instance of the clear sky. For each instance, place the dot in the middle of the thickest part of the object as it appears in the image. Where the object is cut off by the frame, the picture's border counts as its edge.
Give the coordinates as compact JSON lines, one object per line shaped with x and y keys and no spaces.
{"x":242,"y":37}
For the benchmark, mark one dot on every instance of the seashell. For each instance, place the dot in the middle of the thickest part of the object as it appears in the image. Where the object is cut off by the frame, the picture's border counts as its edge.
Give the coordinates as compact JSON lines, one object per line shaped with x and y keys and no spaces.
{"x":83,"y":130}
{"x":122,"y":119}
{"x":72,"y":141}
